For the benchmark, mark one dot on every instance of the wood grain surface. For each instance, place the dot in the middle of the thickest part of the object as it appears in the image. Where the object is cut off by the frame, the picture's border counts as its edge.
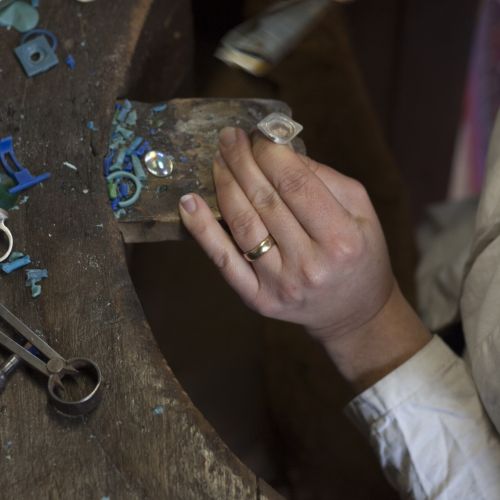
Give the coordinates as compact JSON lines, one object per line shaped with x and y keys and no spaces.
{"x":124,"y":450}
{"x":187,"y":130}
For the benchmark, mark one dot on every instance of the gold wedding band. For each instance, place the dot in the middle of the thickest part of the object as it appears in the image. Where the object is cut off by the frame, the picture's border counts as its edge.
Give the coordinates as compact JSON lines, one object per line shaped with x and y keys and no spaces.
{"x":263,"y":247}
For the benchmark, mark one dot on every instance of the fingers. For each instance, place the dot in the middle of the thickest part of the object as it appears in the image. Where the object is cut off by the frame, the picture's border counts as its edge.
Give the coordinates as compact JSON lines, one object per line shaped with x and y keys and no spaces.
{"x":216,"y":243}
{"x":242,"y":188}
{"x":306,"y":196}
{"x":247,"y":228}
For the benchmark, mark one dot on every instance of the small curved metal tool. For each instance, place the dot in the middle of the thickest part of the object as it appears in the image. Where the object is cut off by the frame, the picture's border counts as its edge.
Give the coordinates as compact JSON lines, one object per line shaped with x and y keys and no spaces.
{"x":56,"y":368}
{"x":4,"y":229}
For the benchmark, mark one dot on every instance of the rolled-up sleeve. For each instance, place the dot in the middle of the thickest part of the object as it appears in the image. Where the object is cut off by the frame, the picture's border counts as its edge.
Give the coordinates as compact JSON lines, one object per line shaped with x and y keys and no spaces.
{"x":429,"y":429}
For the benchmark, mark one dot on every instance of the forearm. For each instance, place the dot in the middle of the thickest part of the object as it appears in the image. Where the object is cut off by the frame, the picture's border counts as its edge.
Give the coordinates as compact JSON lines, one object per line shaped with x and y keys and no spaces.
{"x":389,"y":339}
{"x":418,"y":407}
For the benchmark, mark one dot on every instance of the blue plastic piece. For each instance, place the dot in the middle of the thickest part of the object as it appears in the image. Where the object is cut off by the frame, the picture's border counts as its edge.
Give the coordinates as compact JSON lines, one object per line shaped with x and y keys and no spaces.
{"x":33,"y":278}
{"x":36,"y":56}
{"x":33,"y":275}
{"x":35,"y":3}
{"x":143,"y":149}
{"x":20,"y":174}
{"x":107,"y":162}
{"x":91,"y":126}
{"x":135,"y":144}
{"x":70,"y":62}
{"x":9,"y":267}
{"x":122,"y":115}
{"x":158,"y":410}
{"x":124,"y":189}
{"x":41,"y":32}
{"x":159,"y":108}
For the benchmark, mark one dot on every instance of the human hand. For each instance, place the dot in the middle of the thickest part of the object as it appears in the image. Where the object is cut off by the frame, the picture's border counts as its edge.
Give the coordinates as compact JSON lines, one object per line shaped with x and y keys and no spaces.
{"x":329,"y":269}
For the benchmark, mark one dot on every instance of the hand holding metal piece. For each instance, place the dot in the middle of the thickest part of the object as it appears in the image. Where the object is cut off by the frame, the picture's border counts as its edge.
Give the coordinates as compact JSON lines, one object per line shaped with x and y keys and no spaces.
{"x":56,"y":368}
{"x":4,"y":229}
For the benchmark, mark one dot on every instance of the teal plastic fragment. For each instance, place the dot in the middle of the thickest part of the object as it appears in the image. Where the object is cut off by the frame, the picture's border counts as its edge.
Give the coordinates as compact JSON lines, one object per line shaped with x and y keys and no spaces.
{"x":131,"y":118}
{"x":36,"y":290}
{"x":117,"y":165}
{"x":138,"y":187}
{"x":158,"y":410}
{"x":159,"y":108}
{"x":20,"y":15}
{"x":128,"y":134}
{"x":134,"y":145}
{"x":120,"y":213}
{"x":15,"y":255}
{"x":35,"y":275}
{"x":138,"y":170}
{"x":33,"y":278}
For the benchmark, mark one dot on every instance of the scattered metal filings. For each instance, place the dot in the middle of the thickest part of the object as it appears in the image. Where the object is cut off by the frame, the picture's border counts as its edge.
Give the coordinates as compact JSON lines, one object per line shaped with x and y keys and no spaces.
{"x":159,"y":164}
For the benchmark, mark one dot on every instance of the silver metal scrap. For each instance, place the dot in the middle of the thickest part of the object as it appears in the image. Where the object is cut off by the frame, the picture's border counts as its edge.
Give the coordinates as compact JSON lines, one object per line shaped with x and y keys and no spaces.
{"x":279,"y":128}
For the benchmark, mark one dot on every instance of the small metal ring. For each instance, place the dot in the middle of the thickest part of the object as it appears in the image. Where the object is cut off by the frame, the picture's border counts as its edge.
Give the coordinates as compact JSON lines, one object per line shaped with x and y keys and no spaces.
{"x":40,"y":31}
{"x":10,"y":239}
{"x":81,"y":406}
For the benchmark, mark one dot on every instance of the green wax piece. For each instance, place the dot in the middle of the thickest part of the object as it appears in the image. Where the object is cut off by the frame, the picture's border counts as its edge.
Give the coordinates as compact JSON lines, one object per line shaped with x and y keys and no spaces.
{"x":112,"y":190}
{"x":7,"y":200}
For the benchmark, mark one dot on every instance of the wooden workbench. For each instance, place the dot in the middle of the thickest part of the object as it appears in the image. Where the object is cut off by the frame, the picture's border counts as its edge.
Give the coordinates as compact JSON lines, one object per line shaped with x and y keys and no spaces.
{"x":88,"y":307}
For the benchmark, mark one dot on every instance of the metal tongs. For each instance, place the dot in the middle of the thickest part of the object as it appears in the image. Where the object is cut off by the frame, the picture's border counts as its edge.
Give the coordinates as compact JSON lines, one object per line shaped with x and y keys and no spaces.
{"x":56,"y":368}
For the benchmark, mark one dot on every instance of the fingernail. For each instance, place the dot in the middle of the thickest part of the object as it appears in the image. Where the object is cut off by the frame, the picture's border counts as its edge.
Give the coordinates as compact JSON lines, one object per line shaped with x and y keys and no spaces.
{"x":188,"y":203}
{"x":228,"y":136}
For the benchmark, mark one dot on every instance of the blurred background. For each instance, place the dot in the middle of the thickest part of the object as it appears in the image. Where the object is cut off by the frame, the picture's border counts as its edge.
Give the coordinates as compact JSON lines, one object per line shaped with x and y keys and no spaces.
{"x":381,"y":89}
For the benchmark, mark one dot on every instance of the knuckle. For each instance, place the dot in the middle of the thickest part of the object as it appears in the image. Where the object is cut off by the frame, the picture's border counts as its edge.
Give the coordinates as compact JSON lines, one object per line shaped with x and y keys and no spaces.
{"x":313,"y":276}
{"x":264,"y":199}
{"x":267,"y":308}
{"x":291,"y":293}
{"x":348,"y":251}
{"x":221,"y":259}
{"x":358,"y":189}
{"x":293,"y":182}
{"x":243,"y":223}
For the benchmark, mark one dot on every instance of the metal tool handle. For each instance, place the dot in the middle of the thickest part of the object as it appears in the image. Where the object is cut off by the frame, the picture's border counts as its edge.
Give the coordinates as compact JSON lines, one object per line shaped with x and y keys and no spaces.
{"x":89,"y":402}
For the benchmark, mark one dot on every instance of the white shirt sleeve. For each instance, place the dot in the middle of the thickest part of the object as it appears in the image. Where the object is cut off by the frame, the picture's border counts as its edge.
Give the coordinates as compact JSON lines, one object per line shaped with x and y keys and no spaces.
{"x":429,"y":429}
